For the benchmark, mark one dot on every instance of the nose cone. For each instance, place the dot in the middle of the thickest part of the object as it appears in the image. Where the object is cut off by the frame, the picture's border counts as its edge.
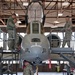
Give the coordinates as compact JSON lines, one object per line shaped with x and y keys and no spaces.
{"x":35,"y":54}
{"x":36,"y":50}
{"x":39,"y":53}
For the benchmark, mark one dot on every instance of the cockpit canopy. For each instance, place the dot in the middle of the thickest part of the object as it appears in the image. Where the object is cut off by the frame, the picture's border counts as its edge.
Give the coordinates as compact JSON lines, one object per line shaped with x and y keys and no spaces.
{"x":35,"y":27}
{"x":35,"y":11}
{"x":35,"y":18}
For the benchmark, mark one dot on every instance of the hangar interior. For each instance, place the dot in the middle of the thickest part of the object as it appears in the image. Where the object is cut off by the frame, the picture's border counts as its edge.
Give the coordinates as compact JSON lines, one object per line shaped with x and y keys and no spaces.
{"x":55,"y":12}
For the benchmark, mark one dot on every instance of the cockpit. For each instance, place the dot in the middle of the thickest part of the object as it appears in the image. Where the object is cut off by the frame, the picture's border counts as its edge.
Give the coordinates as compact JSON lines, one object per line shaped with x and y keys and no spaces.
{"x":35,"y":18}
{"x":35,"y":27}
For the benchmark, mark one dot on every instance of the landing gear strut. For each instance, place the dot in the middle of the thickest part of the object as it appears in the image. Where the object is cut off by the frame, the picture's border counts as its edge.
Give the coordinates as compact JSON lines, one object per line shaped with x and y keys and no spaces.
{"x":36,"y":70}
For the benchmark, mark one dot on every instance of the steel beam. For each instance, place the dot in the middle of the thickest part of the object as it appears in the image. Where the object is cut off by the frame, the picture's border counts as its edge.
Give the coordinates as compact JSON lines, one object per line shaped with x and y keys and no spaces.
{"x":62,"y":50}
{"x":67,"y":58}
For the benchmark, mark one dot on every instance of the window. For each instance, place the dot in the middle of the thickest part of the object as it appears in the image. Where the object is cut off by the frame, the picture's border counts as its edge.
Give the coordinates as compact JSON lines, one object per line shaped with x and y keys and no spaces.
{"x":35,"y":40}
{"x":35,"y":27}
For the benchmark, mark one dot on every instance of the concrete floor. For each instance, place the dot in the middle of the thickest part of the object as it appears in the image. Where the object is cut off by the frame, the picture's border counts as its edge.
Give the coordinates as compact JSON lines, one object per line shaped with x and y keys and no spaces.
{"x":42,"y":73}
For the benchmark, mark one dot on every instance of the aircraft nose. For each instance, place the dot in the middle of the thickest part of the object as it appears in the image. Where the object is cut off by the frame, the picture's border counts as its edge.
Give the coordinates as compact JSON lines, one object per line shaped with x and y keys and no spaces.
{"x":38,"y":53}
{"x":37,"y":60}
{"x":36,"y":50}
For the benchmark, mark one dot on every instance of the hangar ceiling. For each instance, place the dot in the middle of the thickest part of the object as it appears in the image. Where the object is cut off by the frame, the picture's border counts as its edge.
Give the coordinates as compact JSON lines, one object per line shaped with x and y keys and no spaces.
{"x":51,"y":9}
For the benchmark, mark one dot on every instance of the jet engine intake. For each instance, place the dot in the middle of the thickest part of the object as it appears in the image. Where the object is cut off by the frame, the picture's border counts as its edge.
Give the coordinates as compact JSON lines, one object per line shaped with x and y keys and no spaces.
{"x":54,"y":40}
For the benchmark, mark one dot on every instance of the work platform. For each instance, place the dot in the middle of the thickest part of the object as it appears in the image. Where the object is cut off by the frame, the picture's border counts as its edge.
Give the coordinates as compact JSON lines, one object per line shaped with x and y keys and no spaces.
{"x":11,"y":56}
{"x":8,"y":56}
{"x":62,"y":50}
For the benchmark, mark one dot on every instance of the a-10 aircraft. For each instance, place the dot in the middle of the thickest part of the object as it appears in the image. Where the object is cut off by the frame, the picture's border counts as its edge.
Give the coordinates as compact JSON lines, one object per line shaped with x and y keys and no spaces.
{"x":35,"y":46}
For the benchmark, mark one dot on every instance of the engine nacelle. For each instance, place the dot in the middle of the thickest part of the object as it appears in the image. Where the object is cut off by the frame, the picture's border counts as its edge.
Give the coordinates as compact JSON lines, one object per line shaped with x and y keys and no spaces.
{"x":54,"y":40}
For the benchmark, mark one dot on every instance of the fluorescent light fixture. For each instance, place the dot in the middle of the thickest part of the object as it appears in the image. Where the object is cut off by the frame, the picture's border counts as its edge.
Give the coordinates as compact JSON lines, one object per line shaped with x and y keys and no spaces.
{"x":56,"y":21}
{"x":60,"y":14}
{"x":17,"y":14}
{"x":66,"y":3}
{"x":54,"y":26}
{"x":18,"y":21}
{"x":25,"y":4}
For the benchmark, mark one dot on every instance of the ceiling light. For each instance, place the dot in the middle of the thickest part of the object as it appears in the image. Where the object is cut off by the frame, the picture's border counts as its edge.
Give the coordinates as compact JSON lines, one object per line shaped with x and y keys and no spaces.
{"x":56,"y":21}
{"x":54,"y":26}
{"x":18,"y":21}
{"x":16,"y":14}
{"x":60,"y":14}
{"x":66,"y":3}
{"x":25,"y":4}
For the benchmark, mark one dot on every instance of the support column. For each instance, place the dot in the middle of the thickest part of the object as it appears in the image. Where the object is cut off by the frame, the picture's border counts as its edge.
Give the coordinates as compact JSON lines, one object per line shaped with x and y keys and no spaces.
{"x":4,"y":41}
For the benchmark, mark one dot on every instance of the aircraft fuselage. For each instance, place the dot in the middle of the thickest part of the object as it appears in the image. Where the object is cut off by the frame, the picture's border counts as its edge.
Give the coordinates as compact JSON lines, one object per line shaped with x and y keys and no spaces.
{"x":35,"y":48}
